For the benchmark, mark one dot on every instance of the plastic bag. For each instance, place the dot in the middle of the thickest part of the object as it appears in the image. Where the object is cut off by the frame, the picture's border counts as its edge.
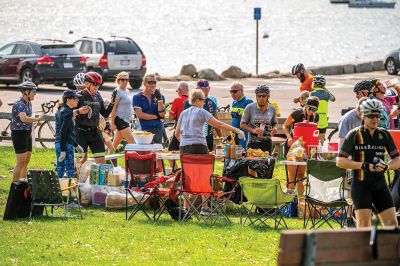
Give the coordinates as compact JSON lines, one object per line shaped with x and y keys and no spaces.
{"x":117,"y":200}
{"x":296,"y":151}
{"x":86,"y":193}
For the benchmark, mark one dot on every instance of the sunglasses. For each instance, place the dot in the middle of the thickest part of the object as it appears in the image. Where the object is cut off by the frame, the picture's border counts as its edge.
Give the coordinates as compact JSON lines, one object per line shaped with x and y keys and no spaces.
{"x":312,"y":109}
{"x":262,"y":95}
{"x":234,"y":91}
{"x":202,"y":99}
{"x":123,"y":80}
{"x":372,"y":116}
{"x":151,"y":82}
{"x":95,"y":84}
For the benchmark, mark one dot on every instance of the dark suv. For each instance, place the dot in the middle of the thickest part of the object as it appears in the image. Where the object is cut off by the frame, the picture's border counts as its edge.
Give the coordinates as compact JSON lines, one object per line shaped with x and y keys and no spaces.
{"x":113,"y":55}
{"x":41,"y":61}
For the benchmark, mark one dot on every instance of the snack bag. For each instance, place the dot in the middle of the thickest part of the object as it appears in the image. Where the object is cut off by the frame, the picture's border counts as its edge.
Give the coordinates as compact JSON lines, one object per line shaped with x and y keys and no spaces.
{"x":293,"y":153}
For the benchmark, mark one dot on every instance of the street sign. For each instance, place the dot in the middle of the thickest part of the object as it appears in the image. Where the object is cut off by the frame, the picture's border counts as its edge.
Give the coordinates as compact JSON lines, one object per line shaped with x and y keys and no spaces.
{"x":257,"y":13}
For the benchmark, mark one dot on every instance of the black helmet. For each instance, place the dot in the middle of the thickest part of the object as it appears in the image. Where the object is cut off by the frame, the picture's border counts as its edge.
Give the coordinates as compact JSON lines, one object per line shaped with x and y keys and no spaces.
{"x":364,"y":85}
{"x":27,"y":86}
{"x":297,"y":68}
{"x":262,"y":89}
{"x":319,"y":81}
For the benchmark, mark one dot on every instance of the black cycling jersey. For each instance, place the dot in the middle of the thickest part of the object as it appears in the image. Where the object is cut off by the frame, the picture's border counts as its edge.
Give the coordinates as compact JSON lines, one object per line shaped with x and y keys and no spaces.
{"x":96,"y":103}
{"x":363,"y":148}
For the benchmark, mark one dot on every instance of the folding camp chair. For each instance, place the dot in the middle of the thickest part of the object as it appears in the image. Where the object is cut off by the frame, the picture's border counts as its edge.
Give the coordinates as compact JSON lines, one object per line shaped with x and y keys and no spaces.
{"x":324,"y":194}
{"x":45,"y":190}
{"x":198,"y":180}
{"x":267,"y":195}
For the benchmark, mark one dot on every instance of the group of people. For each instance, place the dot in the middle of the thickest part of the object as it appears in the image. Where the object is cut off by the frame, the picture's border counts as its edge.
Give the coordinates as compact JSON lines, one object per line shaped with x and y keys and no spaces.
{"x":80,"y":125}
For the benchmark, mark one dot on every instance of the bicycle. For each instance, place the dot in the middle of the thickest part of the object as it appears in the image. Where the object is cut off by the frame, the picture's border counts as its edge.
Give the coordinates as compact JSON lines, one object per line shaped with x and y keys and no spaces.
{"x":226,"y":108}
{"x":47,"y":126}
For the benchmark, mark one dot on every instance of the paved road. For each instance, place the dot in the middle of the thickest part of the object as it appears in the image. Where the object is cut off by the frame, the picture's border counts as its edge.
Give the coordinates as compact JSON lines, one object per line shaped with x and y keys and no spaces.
{"x":283,"y":90}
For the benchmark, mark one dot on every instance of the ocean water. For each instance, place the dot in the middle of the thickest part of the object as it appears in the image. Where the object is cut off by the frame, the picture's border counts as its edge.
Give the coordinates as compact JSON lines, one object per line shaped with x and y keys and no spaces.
{"x":214,"y":33}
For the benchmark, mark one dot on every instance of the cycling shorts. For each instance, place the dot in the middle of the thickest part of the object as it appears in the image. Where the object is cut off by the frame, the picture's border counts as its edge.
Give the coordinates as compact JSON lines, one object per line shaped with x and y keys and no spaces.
{"x":173,"y":144}
{"x":322,"y":130}
{"x":372,"y":190}
{"x":22,"y":140}
{"x":91,"y":137}
{"x":120,"y":124}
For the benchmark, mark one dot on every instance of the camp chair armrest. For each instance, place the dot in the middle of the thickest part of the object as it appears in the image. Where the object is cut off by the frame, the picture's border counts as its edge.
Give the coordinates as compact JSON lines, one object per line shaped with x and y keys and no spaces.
{"x":224,"y":178}
{"x":69,"y":188}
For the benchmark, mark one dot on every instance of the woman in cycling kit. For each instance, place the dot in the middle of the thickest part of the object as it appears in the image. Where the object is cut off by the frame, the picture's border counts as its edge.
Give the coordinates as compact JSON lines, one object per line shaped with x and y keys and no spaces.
{"x":367,"y":146}
{"x":122,"y":111}
{"x":21,"y":129}
{"x":86,"y":125}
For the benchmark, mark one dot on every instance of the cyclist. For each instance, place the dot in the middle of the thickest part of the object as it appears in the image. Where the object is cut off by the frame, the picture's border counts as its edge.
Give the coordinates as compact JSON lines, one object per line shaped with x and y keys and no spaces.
{"x":176,"y":109}
{"x":240,"y":101}
{"x":87,"y":130}
{"x":324,"y":97}
{"x":122,"y":111}
{"x":79,"y":81}
{"x":308,"y":113}
{"x":305,"y":78}
{"x":65,"y":135}
{"x":363,"y":89}
{"x":259,"y":119}
{"x":367,"y":146}
{"x":21,"y":128}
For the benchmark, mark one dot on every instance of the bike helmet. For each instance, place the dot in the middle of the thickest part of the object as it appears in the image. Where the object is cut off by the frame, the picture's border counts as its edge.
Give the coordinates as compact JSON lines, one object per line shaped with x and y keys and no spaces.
{"x":297,"y":68}
{"x":79,"y":79}
{"x":93,"y":77}
{"x":364,"y":85}
{"x":27,"y":86}
{"x":371,"y":106}
{"x":262,"y":89}
{"x":319,"y":81}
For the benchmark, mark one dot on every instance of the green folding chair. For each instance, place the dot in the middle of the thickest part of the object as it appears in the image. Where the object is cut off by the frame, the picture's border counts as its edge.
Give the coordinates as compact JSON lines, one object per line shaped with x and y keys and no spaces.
{"x":267,"y":195}
{"x":45,"y":190}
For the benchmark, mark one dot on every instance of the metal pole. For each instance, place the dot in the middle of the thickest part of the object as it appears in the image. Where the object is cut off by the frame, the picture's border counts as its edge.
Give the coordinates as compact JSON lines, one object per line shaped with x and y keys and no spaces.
{"x":256,"y":47}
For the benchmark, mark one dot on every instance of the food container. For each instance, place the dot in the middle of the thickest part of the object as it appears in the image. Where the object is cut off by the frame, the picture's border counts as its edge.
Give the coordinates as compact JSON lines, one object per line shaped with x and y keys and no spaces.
{"x":94,"y":174}
{"x":104,"y":170}
{"x":227,"y":150}
{"x":219,"y":150}
{"x":143,"y":138}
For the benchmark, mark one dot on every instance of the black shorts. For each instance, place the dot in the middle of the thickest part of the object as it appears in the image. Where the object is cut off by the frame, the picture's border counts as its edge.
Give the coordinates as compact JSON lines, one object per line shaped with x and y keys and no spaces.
{"x":265,"y":145}
{"x":22,"y":140}
{"x":173,"y":144}
{"x":194,"y":149}
{"x":210,"y":142}
{"x":92,"y":138}
{"x":373,"y":190}
{"x":120,"y":124}
{"x":322,"y":130}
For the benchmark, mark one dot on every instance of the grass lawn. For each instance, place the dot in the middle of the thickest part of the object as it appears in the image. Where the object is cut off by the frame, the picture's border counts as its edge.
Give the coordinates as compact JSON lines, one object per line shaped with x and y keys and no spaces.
{"x":104,"y":237}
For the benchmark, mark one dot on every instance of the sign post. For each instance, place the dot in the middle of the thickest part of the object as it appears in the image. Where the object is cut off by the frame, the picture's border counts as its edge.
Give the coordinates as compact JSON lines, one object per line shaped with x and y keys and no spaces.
{"x":257,"y":17}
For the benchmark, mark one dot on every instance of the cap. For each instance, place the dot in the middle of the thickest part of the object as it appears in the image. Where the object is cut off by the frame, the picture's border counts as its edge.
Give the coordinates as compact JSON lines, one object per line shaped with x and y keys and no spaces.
{"x":202,"y":84}
{"x":71,"y":94}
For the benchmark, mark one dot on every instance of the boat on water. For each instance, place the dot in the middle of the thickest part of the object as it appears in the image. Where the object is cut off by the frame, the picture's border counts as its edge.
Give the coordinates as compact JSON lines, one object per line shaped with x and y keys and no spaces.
{"x":372,"y":3}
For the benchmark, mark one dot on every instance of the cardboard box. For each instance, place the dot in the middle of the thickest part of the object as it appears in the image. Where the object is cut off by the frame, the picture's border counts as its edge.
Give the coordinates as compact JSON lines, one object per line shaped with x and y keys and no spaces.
{"x":116,"y":180}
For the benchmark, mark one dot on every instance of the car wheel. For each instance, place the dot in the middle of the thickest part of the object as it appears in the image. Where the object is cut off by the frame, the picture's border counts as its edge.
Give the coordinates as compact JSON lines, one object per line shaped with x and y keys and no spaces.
{"x":136,"y":83}
{"x":27,"y":75}
{"x":390,"y":66}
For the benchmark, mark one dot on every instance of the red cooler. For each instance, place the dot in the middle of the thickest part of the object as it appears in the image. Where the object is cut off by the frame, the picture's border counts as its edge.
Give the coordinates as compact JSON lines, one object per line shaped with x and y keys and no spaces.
{"x":309,"y":132}
{"x":396,"y":137}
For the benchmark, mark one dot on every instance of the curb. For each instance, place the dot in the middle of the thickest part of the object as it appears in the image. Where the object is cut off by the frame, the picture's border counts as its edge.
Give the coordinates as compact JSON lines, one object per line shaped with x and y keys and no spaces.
{"x":359,"y":67}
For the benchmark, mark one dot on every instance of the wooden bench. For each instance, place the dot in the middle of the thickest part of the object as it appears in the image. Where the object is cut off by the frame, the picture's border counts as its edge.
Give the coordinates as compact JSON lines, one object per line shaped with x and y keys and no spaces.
{"x":339,"y":247}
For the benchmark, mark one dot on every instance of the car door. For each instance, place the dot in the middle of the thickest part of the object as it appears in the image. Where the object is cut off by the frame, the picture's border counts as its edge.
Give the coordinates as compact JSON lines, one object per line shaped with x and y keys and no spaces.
{"x":5,"y":53}
{"x":20,"y":53}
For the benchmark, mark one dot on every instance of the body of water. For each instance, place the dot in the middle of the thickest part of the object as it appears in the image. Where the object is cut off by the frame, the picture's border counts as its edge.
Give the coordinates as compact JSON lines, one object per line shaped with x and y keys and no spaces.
{"x":214,"y":33}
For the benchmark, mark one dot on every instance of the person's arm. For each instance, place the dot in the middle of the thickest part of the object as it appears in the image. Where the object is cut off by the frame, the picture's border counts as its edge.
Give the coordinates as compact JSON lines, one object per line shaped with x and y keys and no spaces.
{"x":142,"y":115}
{"x":113,"y":114}
{"x":161,"y":107}
{"x":28,"y":119}
{"x":346,"y":150}
{"x":66,"y":123}
{"x":221,"y":125}
{"x":341,"y":141}
{"x":274,"y":121}
{"x":172,"y":110}
{"x":286,"y":127}
{"x":346,"y":163}
{"x":105,"y":112}
{"x":178,"y":130}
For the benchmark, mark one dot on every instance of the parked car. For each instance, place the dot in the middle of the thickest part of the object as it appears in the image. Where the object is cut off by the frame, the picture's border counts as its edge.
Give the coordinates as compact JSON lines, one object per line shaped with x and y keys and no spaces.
{"x":392,"y":62}
{"x":41,"y":61}
{"x":112,"y":55}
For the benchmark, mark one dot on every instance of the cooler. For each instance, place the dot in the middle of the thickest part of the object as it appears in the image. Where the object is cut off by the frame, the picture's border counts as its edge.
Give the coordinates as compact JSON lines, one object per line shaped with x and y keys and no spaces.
{"x":309,"y":132}
{"x":396,"y":137}
{"x":144,"y":149}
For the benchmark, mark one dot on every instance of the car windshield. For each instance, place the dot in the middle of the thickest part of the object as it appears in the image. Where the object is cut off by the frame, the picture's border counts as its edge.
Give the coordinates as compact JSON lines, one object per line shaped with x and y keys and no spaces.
{"x":121,"y":47}
{"x":60,"y":50}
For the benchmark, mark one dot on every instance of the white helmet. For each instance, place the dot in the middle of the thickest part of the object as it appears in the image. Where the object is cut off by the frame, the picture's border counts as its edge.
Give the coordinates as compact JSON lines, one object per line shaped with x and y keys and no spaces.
{"x":79,"y":79}
{"x":371,"y":106}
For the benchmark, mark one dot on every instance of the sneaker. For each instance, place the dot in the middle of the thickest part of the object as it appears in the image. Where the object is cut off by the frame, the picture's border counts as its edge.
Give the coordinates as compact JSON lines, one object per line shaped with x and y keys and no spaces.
{"x":207,"y":212}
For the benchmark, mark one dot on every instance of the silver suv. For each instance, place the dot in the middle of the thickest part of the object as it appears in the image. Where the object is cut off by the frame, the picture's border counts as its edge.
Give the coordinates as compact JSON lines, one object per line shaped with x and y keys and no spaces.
{"x":111,"y":56}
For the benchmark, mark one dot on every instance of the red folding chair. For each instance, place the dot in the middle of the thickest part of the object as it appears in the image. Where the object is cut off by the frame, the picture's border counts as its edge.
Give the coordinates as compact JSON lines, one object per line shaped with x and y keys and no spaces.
{"x":198,"y":180}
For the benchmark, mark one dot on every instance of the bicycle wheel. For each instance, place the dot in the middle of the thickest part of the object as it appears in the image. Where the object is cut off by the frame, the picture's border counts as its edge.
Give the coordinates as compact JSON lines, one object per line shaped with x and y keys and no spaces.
{"x":47,"y":132}
{"x":333,"y":135}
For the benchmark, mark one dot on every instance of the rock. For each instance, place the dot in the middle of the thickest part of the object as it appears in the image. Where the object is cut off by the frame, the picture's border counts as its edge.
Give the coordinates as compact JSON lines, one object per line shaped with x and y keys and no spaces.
{"x":209,"y":74}
{"x":349,"y":69}
{"x":363,"y":67}
{"x":273,"y":74}
{"x":378,"y":65}
{"x":235,"y":73}
{"x":188,"y":70}
{"x":333,"y":70}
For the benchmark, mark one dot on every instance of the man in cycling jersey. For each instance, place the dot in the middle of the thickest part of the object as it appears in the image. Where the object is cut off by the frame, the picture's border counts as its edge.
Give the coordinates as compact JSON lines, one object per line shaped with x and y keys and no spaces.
{"x":305,"y":78}
{"x":367,"y":146}
{"x":87,"y":125}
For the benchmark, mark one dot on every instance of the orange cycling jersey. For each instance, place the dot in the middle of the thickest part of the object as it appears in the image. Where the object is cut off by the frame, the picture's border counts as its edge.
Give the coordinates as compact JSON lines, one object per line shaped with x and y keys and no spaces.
{"x":307,"y":84}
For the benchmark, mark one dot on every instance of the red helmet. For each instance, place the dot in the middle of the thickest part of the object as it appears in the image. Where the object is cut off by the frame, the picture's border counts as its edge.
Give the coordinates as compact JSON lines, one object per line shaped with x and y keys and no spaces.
{"x":93,"y":77}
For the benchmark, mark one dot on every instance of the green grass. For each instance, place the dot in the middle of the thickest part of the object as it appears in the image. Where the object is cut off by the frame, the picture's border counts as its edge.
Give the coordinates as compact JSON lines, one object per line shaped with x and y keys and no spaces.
{"x":104,"y":237}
